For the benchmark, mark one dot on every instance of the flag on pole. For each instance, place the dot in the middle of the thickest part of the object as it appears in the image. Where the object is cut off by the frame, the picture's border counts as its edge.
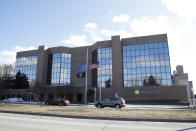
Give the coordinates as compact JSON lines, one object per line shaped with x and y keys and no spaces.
{"x":81,"y":74}
{"x":81,"y":69}
{"x":94,"y":66}
{"x":78,"y":69}
{"x":108,"y":83}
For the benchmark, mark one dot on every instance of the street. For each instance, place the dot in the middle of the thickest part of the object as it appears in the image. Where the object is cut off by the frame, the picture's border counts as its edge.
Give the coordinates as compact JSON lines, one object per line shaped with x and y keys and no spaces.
{"x":128,"y":106}
{"x":18,"y":122}
{"x":141,"y":106}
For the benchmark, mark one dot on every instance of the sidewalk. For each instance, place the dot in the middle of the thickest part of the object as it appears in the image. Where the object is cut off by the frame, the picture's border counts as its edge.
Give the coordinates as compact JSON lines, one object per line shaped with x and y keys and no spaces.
{"x":103,"y":118}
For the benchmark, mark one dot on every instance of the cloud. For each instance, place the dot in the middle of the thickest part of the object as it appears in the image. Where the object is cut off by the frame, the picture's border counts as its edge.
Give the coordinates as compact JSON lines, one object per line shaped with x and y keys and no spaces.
{"x":92,"y":31}
{"x":110,"y":33}
{"x":76,"y":40}
{"x":20,"y":48}
{"x":147,"y":26}
{"x":92,"y":34}
{"x":183,"y":8}
{"x":91,"y":26}
{"x":9,"y":56}
{"x":123,"y":18}
{"x":111,"y":12}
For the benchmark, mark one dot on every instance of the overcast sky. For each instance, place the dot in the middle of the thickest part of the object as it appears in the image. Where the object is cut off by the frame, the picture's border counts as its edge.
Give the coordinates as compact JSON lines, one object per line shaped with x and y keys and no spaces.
{"x":26,"y":24}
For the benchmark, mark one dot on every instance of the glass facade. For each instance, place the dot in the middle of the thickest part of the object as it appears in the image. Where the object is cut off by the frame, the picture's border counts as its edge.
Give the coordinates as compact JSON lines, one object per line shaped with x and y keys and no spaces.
{"x":28,"y":66}
{"x":104,"y":72}
{"x":146,"y":63}
{"x":61,"y":68}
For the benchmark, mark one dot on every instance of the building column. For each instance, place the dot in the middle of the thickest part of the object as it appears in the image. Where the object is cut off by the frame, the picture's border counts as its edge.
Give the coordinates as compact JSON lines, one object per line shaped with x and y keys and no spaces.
{"x":40,"y":66}
{"x":116,"y":64}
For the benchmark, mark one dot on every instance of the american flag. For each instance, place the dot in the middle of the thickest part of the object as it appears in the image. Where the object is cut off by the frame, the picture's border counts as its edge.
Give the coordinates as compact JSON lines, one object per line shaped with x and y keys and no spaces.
{"x":94,"y":66}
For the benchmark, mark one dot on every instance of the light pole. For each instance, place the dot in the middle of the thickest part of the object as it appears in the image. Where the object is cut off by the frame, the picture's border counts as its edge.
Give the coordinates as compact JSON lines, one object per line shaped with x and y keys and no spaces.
{"x":31,"y":85}
{"x":30,"y":90}
{"x":95,"y":94}
{"x":86,"y":85}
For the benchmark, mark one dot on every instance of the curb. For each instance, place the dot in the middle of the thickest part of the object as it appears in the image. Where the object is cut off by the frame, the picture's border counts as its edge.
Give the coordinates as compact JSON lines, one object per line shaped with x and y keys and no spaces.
{"x":103,"y":118}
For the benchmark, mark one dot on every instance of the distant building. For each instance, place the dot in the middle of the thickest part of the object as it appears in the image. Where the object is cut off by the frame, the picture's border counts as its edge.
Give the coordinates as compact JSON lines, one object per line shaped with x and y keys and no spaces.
{"x":1,"y":70}
{"x":6,"y":70}
{"x":179,"y":78}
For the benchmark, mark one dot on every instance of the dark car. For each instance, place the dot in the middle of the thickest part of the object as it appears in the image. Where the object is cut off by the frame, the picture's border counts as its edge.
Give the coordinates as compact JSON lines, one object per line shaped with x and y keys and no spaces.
{"x":61,"y":102}
{"x":116,"y":102}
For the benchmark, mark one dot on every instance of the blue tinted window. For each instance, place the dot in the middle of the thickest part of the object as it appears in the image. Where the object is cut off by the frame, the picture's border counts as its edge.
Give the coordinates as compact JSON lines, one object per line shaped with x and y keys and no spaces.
{"x":61,"y":66}
{"x":28,"y":66}
{"x":104,"y":72}
{"x":145,"y":60}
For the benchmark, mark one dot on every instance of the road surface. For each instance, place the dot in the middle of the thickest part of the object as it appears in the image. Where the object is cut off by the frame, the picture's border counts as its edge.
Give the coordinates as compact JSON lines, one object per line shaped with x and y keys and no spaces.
{"x":19,"y":122}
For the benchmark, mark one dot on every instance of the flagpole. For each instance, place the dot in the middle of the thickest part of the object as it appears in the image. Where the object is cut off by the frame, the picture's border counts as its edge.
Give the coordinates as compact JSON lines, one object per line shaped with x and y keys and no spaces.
{"x":99,"y":68}
{"x":85,"y":92}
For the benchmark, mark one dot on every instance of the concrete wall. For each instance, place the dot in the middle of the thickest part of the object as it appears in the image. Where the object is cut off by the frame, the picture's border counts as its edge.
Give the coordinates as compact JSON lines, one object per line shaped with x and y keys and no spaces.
{"x":144,"y":39}
{"x":166,"y":94}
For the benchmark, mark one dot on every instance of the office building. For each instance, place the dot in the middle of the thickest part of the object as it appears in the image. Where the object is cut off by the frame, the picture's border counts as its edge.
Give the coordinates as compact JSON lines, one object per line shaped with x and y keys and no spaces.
{"x":137,"y":68}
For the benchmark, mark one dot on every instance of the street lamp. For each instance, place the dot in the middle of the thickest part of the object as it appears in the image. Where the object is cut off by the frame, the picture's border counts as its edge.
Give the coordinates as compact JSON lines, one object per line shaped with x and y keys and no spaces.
{"x":30,"y":93}
{"x":95,"y":94}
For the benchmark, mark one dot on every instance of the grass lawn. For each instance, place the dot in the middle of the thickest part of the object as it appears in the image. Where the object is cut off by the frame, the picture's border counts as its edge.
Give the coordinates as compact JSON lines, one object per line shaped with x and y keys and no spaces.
{"x":103,"y":112}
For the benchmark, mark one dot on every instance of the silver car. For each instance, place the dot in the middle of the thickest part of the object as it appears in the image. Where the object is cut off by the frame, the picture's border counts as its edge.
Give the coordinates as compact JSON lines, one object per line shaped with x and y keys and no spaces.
{"x":116,"y":102}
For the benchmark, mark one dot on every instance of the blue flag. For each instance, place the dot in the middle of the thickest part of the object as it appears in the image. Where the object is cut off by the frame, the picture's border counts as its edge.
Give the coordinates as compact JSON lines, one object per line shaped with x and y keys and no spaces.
{"x":78,"y":69}
{"x":108,"y":83}
{"x":81,"y":69}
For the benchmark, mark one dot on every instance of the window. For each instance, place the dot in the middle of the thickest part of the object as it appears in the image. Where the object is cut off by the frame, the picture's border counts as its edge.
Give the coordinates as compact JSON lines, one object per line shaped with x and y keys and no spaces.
{"x":61,"y":66}
{"x":145,"y":60}
{"x":28,"y":66}
{"x":104,"y":72}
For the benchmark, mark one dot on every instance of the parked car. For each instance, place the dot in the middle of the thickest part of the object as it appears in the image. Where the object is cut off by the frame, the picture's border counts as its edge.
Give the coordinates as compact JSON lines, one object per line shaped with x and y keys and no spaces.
{"x":13,"y":100}
{"x":116,"y":102}
{"x":58,"y":101}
